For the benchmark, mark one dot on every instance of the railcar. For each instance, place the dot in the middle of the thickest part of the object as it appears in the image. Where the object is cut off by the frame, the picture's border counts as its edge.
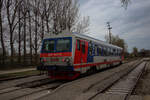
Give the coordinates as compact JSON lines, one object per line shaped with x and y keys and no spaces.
{"x":68,"y":55}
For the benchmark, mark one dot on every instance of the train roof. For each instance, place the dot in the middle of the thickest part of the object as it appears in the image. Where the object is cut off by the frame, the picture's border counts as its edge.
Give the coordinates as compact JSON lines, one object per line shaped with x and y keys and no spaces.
{"x":96,"y":40}
{"x":73,"y":34}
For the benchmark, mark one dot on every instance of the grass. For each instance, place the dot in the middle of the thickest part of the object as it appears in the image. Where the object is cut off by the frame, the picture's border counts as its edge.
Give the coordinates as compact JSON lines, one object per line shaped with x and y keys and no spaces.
{"x":19,"y":74}
{"x":15,"y":66}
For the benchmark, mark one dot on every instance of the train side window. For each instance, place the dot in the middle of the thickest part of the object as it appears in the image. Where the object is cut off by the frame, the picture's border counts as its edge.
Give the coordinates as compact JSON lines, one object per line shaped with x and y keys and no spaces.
{"x":90,"y":49}
{"x":78,"y":44}
{"x":111,"y":51}
{"x":104,"y":51}
{"x":83,"y":47}
{"x":108,"y":51}
{"x":114,"y":52}
{"x":100,"y":51}
{"x":93,"y":49}
{"x":96,"y":50}
{"x":117,"y":52}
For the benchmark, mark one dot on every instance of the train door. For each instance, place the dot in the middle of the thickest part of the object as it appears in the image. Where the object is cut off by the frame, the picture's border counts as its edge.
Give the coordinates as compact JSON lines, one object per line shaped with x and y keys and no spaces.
{"x":84,"y":50}
{"x":81,"y":52}
{"x":90,"y":52}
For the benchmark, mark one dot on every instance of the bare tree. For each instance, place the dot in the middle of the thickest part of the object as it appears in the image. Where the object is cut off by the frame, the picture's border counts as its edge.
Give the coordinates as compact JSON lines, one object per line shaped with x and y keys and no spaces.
{"x":11,"y":10}
{"x":30,"y":31}
{"x":1,"y":32}
{"x":32,"y":19}
{"x":116,"y":40}
{"x":24,"y":13}
{"x":125,"y":3}
{"x":65,"y":13}
{"x":48,"y":7}
{"x":19,"y":33}
{"x":83,"y":25}
{"x":43,"y":13}
{"x":35,"y":6}
{"x":135,"y":51}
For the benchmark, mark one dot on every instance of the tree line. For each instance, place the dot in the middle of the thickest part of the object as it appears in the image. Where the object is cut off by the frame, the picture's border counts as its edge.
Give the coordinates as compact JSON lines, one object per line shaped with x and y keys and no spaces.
{"x":116,"y":40}
{"x":24,"y":23}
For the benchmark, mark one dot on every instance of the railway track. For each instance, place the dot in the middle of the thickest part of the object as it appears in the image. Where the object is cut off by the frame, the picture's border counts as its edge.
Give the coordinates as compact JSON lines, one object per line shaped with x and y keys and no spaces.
{"x":122,"y":89}
{"x":91,"y":87}
{"x":30,"y":90}
{"x":25,"y":85}
{"x":11,"y":83}
{"x":45,"y":89}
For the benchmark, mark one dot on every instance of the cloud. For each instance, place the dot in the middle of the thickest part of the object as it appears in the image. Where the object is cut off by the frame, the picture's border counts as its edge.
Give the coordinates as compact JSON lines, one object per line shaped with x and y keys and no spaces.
{"x":131,"y":24}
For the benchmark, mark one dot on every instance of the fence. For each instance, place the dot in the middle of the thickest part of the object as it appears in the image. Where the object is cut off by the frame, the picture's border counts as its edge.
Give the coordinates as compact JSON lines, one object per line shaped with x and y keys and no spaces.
{"x":16,"y":61}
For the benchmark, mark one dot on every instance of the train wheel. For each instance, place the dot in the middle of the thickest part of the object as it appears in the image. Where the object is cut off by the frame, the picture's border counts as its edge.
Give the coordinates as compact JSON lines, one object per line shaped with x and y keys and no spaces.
{"x":120,"y":63}
{"x":92,"y":70}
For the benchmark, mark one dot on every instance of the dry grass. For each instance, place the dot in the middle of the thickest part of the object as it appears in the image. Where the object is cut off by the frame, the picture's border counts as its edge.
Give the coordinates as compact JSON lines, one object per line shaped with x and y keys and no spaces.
{"x":19,"y":74}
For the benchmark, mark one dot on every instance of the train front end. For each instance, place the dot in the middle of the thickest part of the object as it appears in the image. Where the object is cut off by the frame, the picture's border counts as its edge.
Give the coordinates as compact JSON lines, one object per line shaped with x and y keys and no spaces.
{"x":56,"y":58}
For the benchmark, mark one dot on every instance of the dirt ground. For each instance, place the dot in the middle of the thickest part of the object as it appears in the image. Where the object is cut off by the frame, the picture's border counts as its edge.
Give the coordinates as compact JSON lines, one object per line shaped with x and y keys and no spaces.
{"x":143,"y":85}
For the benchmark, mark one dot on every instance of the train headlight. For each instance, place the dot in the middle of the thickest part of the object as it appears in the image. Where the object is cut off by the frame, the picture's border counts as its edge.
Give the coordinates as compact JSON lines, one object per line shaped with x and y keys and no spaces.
{"x":42,"y":60}
{"x":67,"y":60}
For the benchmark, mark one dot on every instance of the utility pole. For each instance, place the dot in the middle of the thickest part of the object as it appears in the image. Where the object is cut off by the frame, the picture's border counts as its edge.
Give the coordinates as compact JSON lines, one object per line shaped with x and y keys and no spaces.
{"x":109,"y":29}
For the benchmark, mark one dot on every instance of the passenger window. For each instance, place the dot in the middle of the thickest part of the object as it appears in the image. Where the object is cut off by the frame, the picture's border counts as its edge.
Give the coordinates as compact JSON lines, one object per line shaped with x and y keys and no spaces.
{"x":111,"y":51}
{"x":96,"y":50}
{"x":90,"y":49}
{"x":83,"y":47}
{"x":78,"y":44}
{"x":107,"y":51}
{"x":117,"y":52}
{"x":100,"y":51}
{"x":104,"y":51}
{"x":114,"y":52}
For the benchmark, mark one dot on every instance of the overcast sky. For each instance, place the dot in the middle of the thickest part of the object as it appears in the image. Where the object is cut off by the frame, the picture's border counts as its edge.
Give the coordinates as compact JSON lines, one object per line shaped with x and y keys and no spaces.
{"x":132,"y":24}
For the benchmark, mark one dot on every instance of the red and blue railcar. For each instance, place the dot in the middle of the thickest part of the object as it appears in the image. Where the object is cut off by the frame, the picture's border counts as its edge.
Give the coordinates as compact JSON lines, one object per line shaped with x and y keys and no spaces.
{"x":66,"y":56}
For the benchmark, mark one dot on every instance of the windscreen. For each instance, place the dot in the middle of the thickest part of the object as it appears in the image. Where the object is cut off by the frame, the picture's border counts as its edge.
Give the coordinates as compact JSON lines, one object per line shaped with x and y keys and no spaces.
{"x":63,"y":45}
{"x":57,"y":45}
{"x":48,"y":46}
